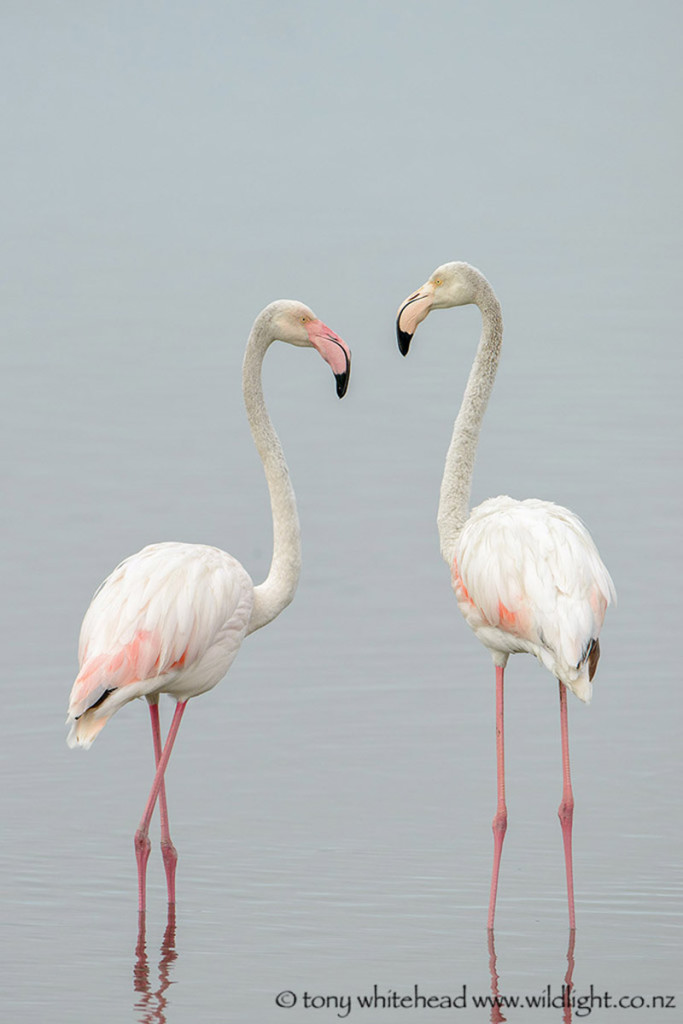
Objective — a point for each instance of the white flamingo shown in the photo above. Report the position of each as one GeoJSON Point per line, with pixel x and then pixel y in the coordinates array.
{"type": "Point", "coordinates": [171, 618]}
{"type": "Point", "coordinates": [526, 574]}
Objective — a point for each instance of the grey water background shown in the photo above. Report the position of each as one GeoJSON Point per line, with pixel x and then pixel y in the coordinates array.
{"type": "Point", "coordinates": [170, 169]}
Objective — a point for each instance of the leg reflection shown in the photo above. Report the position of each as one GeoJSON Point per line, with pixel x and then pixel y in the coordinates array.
{"type": "Point", "coordinates": [496, 1012]}
{"type": "Point", "coordinates": [498, 1002]}
{"type": "Point", "coordinates": [151, 1005]}
{"type": "Point", "coordinates": [568, 983]}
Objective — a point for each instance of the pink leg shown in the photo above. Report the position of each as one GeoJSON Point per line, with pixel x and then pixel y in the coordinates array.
{"type": "Point", "coordinates": [500, 821]}
{"type": "Point", "coordinates": [566, 808]}
{"type": "Point", "coordinates": [168, 850]}
{"type": "Point", "coordinates": [142, 843]}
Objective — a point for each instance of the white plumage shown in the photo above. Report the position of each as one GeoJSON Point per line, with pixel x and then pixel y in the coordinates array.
{"type": "Point", "coordinates": [527, 575]}
{"type": "Point", "coordinates": [171, 618]}
{"type": "Point", "coordinates": [528, 578]}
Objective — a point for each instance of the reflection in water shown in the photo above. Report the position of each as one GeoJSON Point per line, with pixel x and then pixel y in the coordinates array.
{"type": "Point", "coordinates": [151, 1005]}
{"type": "Point", "coordinates": [496, 1012]}
{"type": "Point", "coordinates": [568, 983]}
{"type": "Point", "coordinates": [498, 1002]}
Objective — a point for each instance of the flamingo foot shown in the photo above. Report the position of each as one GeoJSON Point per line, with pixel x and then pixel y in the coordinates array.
{"type": "Point", "coordinates": [170, 856]}
{"type": "Point", "coordinates": [142, 850]}
{"type": "Point", "coordinates": [566, 815]}
{"type": "Point", "coordinates": [500, 824]}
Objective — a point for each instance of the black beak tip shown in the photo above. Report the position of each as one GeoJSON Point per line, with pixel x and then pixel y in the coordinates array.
{"type": "Point", "coordinates": [404, 340]}
{"type": "Point", "coordinates": [342, 380]}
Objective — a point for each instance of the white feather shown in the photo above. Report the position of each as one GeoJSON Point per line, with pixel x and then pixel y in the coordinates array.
{"type": "Point", "coordinates": [533, 581]}
{"type": "Point", "coordinates": [169, 619]}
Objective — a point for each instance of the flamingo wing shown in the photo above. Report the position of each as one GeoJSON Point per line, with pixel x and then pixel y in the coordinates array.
{"type": "Point", "coordinates": [532, 571]}
{"type": "Point", "coordinates": [159, 613]}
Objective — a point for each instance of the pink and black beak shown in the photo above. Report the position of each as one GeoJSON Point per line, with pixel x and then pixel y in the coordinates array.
{"type": "Point", "coordinates": [411, 313]}
{"type": "Point", "coordinates": [334, 351]}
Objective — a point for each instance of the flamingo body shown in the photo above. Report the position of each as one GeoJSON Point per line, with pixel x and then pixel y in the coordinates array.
{"type": "Point", "coordinates": [169, 619]}
{"type": "Point", "coordinates": [528, 578]}
{"type": "Point", "coordinates": [526, 574]}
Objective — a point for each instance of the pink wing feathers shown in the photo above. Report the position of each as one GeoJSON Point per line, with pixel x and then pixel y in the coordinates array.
{"type": "Point", "coordinates": [531, 570]}
{"type": "Point", "coordinates": [160, 613]}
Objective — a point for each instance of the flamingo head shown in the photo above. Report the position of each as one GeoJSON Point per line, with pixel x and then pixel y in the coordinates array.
{"type": "Point", "coordinates": [296, 324]}
{"type": "Point", "coordinates": [451, 284]}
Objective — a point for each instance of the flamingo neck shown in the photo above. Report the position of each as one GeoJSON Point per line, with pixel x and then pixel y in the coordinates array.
{"type": "Point", "coordinates": [279, 587]}
{"type": "Point", "coordinates": [456, 484]}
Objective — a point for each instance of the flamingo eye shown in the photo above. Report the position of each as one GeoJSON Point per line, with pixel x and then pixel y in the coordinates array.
{"type": "Point", "coordinates": [438, 282]}
{"type": "Point", "coordinates": [304, 319]}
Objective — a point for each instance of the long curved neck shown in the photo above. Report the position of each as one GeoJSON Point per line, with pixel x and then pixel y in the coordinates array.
{"type": "Point", "coordinates": [456, 485]}
{"type": "Point", "coordinates": [279, 587]}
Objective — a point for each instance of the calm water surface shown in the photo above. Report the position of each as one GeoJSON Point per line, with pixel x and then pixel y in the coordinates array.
{"type": "Point", "coordinates": [331, 800]}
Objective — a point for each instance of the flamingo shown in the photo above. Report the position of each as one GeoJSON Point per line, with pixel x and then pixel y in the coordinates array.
{"type": "Point", "coordinates": [526, 574]}
{"type": "Point", "coordinates": [171, 618]}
